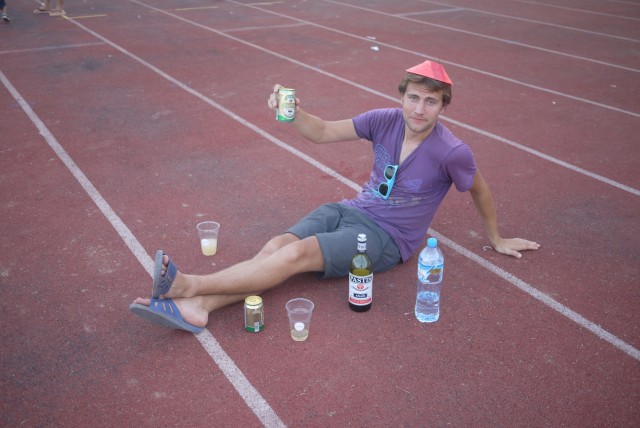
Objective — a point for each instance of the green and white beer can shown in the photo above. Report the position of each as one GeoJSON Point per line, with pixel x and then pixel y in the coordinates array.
{"type": "Point", "coordinates": [286, 105]}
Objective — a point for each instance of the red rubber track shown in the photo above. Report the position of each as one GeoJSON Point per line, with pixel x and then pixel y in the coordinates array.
{"type": "Point", "coordinates": [161, 106]}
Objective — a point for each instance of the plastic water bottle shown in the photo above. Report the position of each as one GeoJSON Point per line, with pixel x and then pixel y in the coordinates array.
{"type": "Point", "coordinates": [430, 272]}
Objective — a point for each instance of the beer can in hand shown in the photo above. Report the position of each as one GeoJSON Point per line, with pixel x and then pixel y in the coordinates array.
{"type": "Point", "coordinates": [286, 105]}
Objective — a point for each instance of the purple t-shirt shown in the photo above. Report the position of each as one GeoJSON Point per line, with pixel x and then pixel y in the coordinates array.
{"type": "Point", "coordinates": [422, 180]}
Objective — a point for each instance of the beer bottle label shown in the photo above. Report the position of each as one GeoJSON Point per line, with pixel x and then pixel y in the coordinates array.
{"type": "Point", "coordinates": [360, 289]}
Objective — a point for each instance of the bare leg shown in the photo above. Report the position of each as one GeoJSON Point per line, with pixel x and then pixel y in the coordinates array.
{"type": "Point", "coordinates": [59, 10]}
{"type": "Point", "coordinates": [281, 258]}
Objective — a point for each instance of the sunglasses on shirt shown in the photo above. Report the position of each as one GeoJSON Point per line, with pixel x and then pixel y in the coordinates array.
{"type": "Point", "coordinates": [384, 189]}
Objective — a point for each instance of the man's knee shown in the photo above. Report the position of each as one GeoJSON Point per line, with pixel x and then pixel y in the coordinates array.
{"type": "Point", "coordinates": [274, 244]}
{"type": "Point", "coordinates": [306, 254]}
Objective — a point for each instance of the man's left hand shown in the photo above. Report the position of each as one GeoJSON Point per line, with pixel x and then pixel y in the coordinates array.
{"type": "Point", "coordinates": [513, 246]}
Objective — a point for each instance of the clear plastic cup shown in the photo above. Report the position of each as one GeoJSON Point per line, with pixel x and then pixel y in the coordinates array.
{"type": "Point", "coordinates": [208, 233]}
{"type": "Point", "coordinates": [299, 312]}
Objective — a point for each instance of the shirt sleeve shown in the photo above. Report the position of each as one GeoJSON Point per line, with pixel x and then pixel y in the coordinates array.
{"type": "Point", "coordinates": [360, 124]}
{"type": "Point", "coordinates": [374, 122]}
{"type": "Point", "coordinates": [460, 165]}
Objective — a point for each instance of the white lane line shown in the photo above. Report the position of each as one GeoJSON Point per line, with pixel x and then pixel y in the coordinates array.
{"type": "Point", "coordinates": [549, 24]}
{"type": "Point", "coordinates": [394, 99]}
{"type": "Point", "coordinates": [603, 334]}
{"type": "Point", "coordinates": [51, 48]}
{"type": "Point", "coordinates": [424, 55]}
{"type": "Point", "coordinates": [251, 396]}
{"type": "Point", "coordinates": [498, 39]}
{"type": "Point", "coordinates": [542, 155]}
{"type": "Point", "coordinates": [429, 12]}
{"type": "Point", "coordinates": [271, 27]}
{"type": "Point", "coordinates": [539, 295]}
{"type": "Point", "coordinates": [572, 9]}
{"type": "Point", "coordinates": [122, 229]}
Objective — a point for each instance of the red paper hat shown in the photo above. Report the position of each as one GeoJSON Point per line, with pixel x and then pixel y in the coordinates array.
{"type": "Point", "coordinates": [432, 70]}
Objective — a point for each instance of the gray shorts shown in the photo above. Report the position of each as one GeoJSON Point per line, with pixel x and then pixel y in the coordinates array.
{"type": "Point", "coordinates": [337, 227]}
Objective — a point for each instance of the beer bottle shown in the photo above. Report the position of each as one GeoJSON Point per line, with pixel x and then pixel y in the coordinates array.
{"type": "Point", "coordinates": [361, 278]}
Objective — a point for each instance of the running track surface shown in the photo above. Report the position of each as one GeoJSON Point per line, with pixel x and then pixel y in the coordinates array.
{"type": "Point", "coordinates": [126, 123]}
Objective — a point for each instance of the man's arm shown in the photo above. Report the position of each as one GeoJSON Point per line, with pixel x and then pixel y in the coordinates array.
{"type": "Point", "coordinates": [483, 200]}
{"type": "Point", "coordinates": [317, 130]}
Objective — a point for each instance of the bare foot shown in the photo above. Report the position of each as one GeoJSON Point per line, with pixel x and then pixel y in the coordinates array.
{"type": "Point", "coordinates": [190, 308]}
{"type": "Point", "coordinates": [180, 286]}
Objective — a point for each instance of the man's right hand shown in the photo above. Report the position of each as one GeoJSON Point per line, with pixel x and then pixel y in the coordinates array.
{"type": "Point", "coordinates": [272, 102]}
{"type": "Point", "coordinates": [273, 98]}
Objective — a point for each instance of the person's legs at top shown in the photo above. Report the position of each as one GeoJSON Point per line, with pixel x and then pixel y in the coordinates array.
{"type": "Point", "coordinates": [59, 10]}
{"type": "Point", "coordinates": [3, 10]}
{"type": "Point", "coordinates": [45, 8]}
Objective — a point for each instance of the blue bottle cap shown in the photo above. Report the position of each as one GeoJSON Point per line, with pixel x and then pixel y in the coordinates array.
{"type": "Point", "coordinates": [432, 242]}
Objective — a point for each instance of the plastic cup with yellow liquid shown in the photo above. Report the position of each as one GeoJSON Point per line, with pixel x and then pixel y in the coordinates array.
{"type": "Point", "coordinates": [208, 234]}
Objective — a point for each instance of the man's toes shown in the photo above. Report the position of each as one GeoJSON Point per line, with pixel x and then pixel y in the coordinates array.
{"type": "Point", "coordinates": [165, 263]}
{"type": "Point", "coordinates": [142, 301]}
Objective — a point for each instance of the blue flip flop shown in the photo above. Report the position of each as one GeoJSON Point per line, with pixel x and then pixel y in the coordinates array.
{"type": "Point", "coordinates": [162, 284]}
{"type": "Point", "coordinates": [164, 312]}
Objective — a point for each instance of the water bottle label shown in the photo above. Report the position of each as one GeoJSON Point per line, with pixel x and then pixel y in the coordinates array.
{"type": "Point", "coordinates": [425, 271]}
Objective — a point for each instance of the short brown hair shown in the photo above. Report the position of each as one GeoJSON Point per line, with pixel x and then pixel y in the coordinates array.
{"type": "Point", "coordinates": [432, 84]}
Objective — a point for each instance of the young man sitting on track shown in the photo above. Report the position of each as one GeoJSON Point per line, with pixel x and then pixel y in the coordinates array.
{"type": "Point", "coordinates": [421, 159]}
